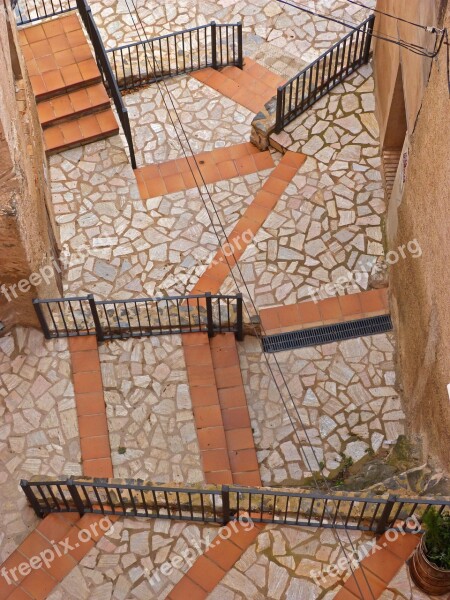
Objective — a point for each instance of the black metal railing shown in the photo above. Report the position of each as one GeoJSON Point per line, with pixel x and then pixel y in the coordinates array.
{"type": "Point", "coordinates": [28, 11]}
{"type": "Point", "coordinates": [213, 45]}
{"type": "Point", "coordinates": [325, 73]}
{"type": "Point", "coordinates": [107, 74]}
{"type": "Point", "coordinates": [224, 504]}
{"type": "Point", "coordinates": [140, 317]}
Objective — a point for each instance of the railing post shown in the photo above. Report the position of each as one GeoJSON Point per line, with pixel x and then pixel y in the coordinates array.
{"type": "Point", "coordinates": [75, 496]}
{"type": "Point", "coordinates": [98, 328]}
{"type": "Point", "coordinates": [384, 519]}
{"type": "Point", "coordinates": [369, 33]}
{"type": "Point", "coordinates": [127, 130]}
{"type": "Point", "coordinates": [209, 314]}
{"type": "Point", "coordinates": [240, 46]}
{"type": "Point", "coordinates": [239, 318]}
{"type": "Point", "coordinates": [25, 485]}
{"type": "Point", "coordinates": [279, 117]}
{"type": "Point", "coordinates": [41, 319]}
{"type": "Point", "coordinates": [225, 504]}
{"type": "Point", "coordinates": [214, 44]}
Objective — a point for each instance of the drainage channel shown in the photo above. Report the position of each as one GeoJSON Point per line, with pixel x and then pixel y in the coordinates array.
{"type": "Point", "coordinates": [326, 334]}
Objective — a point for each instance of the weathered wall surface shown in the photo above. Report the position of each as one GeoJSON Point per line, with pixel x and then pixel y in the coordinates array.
{"type": "Point", "coordinates": [419, 210]}
{"type": "Point", "coordinates": [25, 244]}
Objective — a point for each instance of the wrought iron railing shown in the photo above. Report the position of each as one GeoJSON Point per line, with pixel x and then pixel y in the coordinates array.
{"type": "Point", "coordinates": [108, 76]}
{"type": "Point", "coordinates": [140, 317]}
{"type": "Point", "coordinates": [28, 11]}
{"type": "Point", "coordinates": [325, 73]}
{"type": "Point", "coordinates": [221, 505]}
{"type": "Point", "coordinates": [213, 45]}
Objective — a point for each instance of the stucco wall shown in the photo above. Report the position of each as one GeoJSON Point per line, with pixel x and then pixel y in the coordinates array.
{"type": "Point", "coordinates": [419, 210]}
{"type": "Point", "coordinates": [25, 244]}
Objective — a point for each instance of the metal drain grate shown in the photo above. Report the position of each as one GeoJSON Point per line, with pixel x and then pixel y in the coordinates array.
{"type": "Point", "coordinates": [327, 334]}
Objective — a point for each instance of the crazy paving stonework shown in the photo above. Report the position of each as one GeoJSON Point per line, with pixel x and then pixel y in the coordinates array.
{"type": "Point", "coordinates": [39, 429]}
{"type": "Point", "coordinates": [344, 393]}
{"type": "Point", "coordinates": [150, 420]}
{"type": "Point", "coordinates": [328, 223]}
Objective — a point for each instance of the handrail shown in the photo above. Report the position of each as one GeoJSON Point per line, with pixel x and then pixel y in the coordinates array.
{"type": "Point", "coordinates": [153, 59]}
{"type": "Point", "coordinates": [140, 317]}
{"type": "Point", "coordinates": [107, 73]}
{"type": "Point", "coordinates": [225, 503]}
{"type": "Point", "coordinates": [29, 11]}
{"type": "Point", "coordinates": [324, 73]}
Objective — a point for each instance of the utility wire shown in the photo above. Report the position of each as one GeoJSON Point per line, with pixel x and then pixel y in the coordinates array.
{"type": "Point", "coordinates": [410, 46]}
{"type": "Point", "coordinates": [253, 304]}
{"type": "Point", "coordinates": [381, 12]}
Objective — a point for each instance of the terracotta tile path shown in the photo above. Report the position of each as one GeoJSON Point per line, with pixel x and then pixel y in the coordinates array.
{"type": "Point", "coordinates": [91, 408]}
{"type": "Point", "coordinates": [38, 583]}
{"type": "Point", "coordinates": [209, 569]}
{"type": "Point", "coordinates": [181, 174]}
{"type": "Point", "coordinates": [379, 568]}
{"type": "Point", "coordinates": [251, 221]}
{"type": "Point", "coordinates": [73, 105]}
{"type": "Point", "coordinates": [293, 317]}
{"type": "Point", "coordinates": [252, 86]}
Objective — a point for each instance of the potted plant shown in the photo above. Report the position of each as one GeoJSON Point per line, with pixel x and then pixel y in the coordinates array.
{"type": "Point", "coordinates": [430, 564]}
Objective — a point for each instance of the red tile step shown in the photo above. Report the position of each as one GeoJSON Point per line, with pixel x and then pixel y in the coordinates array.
{"type": "Point", "coordinates": [66, 107]}
{"type": "Point", "coordinates": [314, 313]}
{"type": "Point", "coordinates": [210, 568]}
{"type": "Point", "coordinates": [83, 130]}
{"type": "Point", "coordinates": [35, 569]}
{"type": "Point", "coordinates": [251, 87]}
{"type": "Point", "coordinates": [379, 568]}
{"type": "Point", "coordinates": [91, 408]}
{"type": "Point", "coordinates": [235, 415]}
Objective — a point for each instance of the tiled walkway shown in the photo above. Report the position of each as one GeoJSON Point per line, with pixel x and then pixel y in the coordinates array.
{"type": "Point", "coordinates": [73, 105]}
{"type": "Point", "coordinates": [91, 409]}
{"type": "Point", "coordinates": [377, 570]}
{"type": "Point", "coordinates": [182, 174]}
{"type": "Point", "coordinates": [210, 568]}
{"type": "Point", "coordinates": [251, 87]}
{"type": "Point", "coordinates": [251, 221]}
{"type": "Point", "coordinates": [37, 578]}
{"type": "Point", "coordinates": [293, 317]}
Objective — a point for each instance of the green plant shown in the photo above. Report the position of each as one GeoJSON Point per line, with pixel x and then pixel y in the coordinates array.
{"type": "Point", "coordinates": [121, 450]}
{"type": "Point", "coordinates": [437, 538]}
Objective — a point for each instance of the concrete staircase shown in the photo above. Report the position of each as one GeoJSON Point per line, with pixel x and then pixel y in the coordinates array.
{"type": "Point", "coordinates": [252, 86]}
{"type": "Point", "coordinates": [73, 105]}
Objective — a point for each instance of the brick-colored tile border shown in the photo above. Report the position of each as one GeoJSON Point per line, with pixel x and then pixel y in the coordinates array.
{"type": "Point", "coordinates": [235, 415]}
{"type": "Point", "coordinates": [252, 220]}
{"type": "Point", "coordinates": [251, 87]}
{"type": "Point", "coordinates": [216, 165]}
{"type": "Point", "coordinates": [91, 408]}
{"type": "Point", "coordinates": [294, 317]}
{"type": "Point", "coordinates": [378, 569]}
{"type": "Point", "coordinates": [210, 568]}
{"type": "Point", "coordinates": [206, 407]}
{"type": "Point", "coordinates": [40, 582]}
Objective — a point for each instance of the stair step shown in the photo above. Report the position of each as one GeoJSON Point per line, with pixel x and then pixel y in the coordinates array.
{"type": "Point", "coordinates": [88, 100]}
{"type": "Point", "coordinates": [79, 131]}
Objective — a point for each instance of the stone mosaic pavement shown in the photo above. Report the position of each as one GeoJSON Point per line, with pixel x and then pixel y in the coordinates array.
{"type": "Point", "coordinates": [209, 119]}
{"type": "Point", "coordinates": [39, 429]}
{"type": "Point", "coordinates": [328, 224]}
{"type": "Point", "coordinates": [150, 420]}
{"type": "Point", "coordinates": [126, 563]}
{"type": "Point", "coordinates": [280, 37]}
{"type": "Point", "coordinates": [136, 248]}
{"type": "Point", "coordinates": [345, 396]}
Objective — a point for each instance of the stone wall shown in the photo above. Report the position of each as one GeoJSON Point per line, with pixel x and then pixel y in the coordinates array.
{"type": "Point", "coordinates": [418, 210]}
{"type": "Point", "coordinates": [25, 206]}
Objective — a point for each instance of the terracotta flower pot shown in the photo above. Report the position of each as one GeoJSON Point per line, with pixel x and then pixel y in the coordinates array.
{"type": "Point", "coordinates": [427, 576]}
